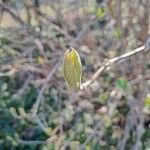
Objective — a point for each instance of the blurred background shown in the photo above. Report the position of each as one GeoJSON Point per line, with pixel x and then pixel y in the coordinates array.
{"type": "Point", "coordinates": [37, 112]}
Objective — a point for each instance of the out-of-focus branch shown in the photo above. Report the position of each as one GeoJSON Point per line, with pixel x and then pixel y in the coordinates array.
{"type": "Point", "coordinates": [98, 126]}
{"type": "Point", "coordinates": [31, 142]}
{"type": "Point", "coordinates": [18, 19]}
{"type": "Point", "coordinates": [109, 63]}
{"type": "Point", "coordinates": [82, 32]}
{"type": "Point", "coordinates": [39, 98]}
{"type": "Point", "coordinates": [30, 30]}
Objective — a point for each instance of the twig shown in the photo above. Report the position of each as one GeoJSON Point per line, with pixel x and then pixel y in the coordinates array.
{"type": "Point", "coordinates": [131, 121]}
{"type": "Point", "coordinates": [140, 127]}
{"type": "Point", "coordinates": [109, 63]}
{"type": "Point", "coordinates": [42, 126]}
{"type": "Point", "coordinates": [140, 131]}
{"type": "Point", "coordinates": [9, 73]}
{"type": "Point", "coordinates": [20, 92]}
{"type": "Point", "coordinates": [48, 19]}
{"type": "Point", "coordinates": [18, 19]}
{"type": "Point", "coordinates": [82, 33]}
{"type": "Point", "coordinates": [128, 127]}
{"type": "Point", "coordinates": [98, 126]}
{"type": "Point", "coordinates": [16, 67]}
{"type": "Point", "coordinates": [39, 98]}
{"type": "Point", "coordinates": [31, 142]}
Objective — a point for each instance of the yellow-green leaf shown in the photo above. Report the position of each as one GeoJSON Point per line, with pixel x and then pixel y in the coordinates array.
{"type": "Point", "coordinates": [72, 68]}
{"type": "Point", "coordinates": [147, 101]}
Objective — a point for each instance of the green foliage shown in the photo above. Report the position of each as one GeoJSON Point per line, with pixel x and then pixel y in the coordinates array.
{"type": "Point", "coordinates": [148, 66]}
{"type": "Point", "coordinates": [97, 28]}
{"type": "Point", "coordinates": [145, 139]}
{"type": "Point", "coordinates": [12, 108]}
{"type": "Point", "coordinates": [100, 13]}
{"type": "Point", "coordinates": [122, 83]}
{"type": "Point", "coordinates": [96, 145]}
{"type": "Point", "coordinates": [4, 40]}
{"type": "Point", "coordinates": [147, 101]}
{"type": "Point", "coordinates": [117, 33]}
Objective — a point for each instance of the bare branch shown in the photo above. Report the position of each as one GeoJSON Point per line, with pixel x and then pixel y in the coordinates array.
{"type": "Point", "coordinates": [18, 19]}
{"type": "Point", "coordinates": [39, 98]}
{"type": "Point", "coordinates": [82, 33]}
{"type": "Point", "coordinates": [98, 126]}
{"type": "Point", "coordinates": [31, 142]}
{"type": "Point", "coordinates": [109, 63]}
